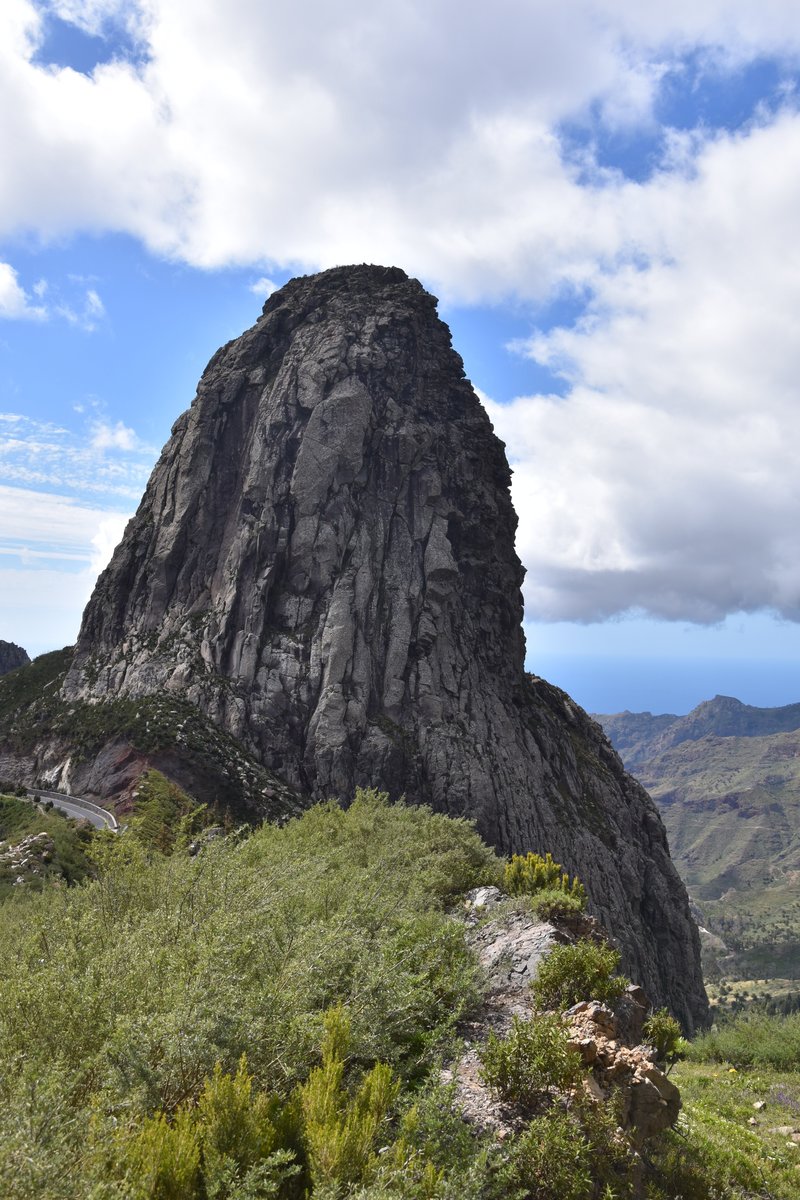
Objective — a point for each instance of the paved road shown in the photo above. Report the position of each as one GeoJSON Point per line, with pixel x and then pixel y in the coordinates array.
{"type": "Point", "coordinates": [74, 806]}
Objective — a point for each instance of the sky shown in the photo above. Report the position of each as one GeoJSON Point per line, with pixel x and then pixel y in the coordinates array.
{"type": "Point", "coordinates": [603, 194]}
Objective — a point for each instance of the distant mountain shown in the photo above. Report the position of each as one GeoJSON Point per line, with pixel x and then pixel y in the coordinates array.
{"type": "Point", "coordinates": [11, 657]}
{"type": "Point", "coordinates": [639, 737]}
{"type": "Point", "coordinates": [727, 781]}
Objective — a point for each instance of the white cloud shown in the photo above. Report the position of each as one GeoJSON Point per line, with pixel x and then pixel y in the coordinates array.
{"type": "Point", "coordinates": [263, 287]}
{"type": "Point", "coordinates": [89, 311]}
{"type": "Point", "coordinates": [60, 546]}
{"type": "Point", "coordinates": [48, 522]}
{"type": "Point", "coordinates": [14, 302]}
{"type": "Point", "coordinates": [311, 135]}
{"type": "Point", "coordinates": [666, 478]}
{"type": "Point", "coordinates": [118, 436]}
{"type": "Point", "coordinates": [105, 541]}
{"type": "Point", "coordinates": [321, 134]}
{"type": "Point", "coordinates": [104, 459]}
{"type": "Point", "coordinates": [40, 609]}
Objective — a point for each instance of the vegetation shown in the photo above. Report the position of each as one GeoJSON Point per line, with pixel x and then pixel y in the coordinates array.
{"type": "Point", "coordinates": [121, 997]}
{"type": "Point", "coordinates": [165, 816]}
{"type": "Point", "coordinates": [268, 1018]}
{"type": "Point", "coordinates": [69, 862]}
{"type": "Point", "coordinates": [578, 971]}
{"type": "Point", "coordinates": [724, 1148]}
{"type": "Point", "coordinates": [752, 1039]}
{"type": "Point", "coordinates": [546, 882]}
{"type": "Point", "coordinates": [663, 1033]}
{"type": "Point", "coordinates": [32, 708]}
{"type": "Point", "coordinates": [533, 1059]}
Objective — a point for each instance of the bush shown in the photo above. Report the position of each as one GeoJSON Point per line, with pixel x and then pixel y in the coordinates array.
{"type": "Point", "coordinates": [341, 1132]}
{"type": "Point", "coordinates": [163, 1159]}
{"type": "Point", "coordinates": [754, 1039]}
{"type": "Point", "coordinates": [663, 1032]}
{"type": "Point", "coordinates": [552, 905]}
{"type": "Point", "coordinates": [526, 875]}
{"type": "Point", "coordinates": [531, 1061]}
{"type": "Point", "coordinates": [580, 971]}
{"type": "Point", "coordinates": [551, 1161]}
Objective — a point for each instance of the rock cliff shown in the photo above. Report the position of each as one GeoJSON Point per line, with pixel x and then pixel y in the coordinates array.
{"type": "Point", "coordinates": [323, 564]}
{"type": "Point", "coordinates": [11, 657]}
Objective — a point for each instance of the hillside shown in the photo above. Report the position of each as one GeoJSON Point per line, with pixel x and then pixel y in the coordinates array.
{"type": "Point", "coordinates": [314, 1012]}
{"type": "Point", "coordinates": [727, 781]}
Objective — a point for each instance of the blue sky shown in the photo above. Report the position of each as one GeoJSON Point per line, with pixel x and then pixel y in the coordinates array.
{"type": "Point", "coordinates": [603, 195]}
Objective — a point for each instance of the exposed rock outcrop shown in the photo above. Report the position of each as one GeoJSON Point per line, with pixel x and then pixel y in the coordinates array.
{"type": "Point", "coordinates": [11, 657]}
{"type": "Point", "coordinates": [509, 947]}
{"type": "Point", "coordinates": [323, 563]}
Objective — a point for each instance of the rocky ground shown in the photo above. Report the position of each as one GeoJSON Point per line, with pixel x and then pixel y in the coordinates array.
{"type": "Point", "coordinates": [510, 945]}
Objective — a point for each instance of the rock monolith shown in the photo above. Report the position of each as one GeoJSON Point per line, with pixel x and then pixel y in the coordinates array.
{"type": "Point", "coordinates": [323, 563]}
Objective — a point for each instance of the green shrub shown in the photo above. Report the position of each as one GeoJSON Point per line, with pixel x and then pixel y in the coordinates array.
{"type": "Point", "coordinates": [525, 875]}
{"type": "Point", "coordinates": [533, 1059]}
{"type": "Point", "coordinates": [577, 1153]}
{"type": "Point", "coordinates": [233, 1125]}
{"type": "Point", "coordinates": [164, 814]}
{"type": "Point", "coordinates": [752, 1039]}
{"type": "Point", "coordinates": [162, 1160]}
{"type": "Point", "coordinates": [341, 1132]}
{"type": "Point", "coordinates": [552, 905]}
{"type": "Point", "coordinates": [551, 1160]}
{"type": "Point", "coordinates": [663, 1032]}
{"type": "Point", "coordinates": [579, 971]}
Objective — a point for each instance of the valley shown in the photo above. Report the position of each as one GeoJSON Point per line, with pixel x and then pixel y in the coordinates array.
{"type": "Point", "coordinates": [726, 779]}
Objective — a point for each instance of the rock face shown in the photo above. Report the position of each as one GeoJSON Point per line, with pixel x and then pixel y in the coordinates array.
{"type": "Point", "coordinates": [324, 564]}
{"type": "Point", "coordinates": [11, 657]}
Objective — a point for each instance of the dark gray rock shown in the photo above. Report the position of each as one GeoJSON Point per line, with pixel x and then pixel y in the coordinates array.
{"type": "Point", "coordinates": [323, 562]}
{"type": "Point", "coordinates": [11, 657]}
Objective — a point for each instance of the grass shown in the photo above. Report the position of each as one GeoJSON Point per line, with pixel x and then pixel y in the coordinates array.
{"type": "Point", "coordinates": [752, 1039]}
{"type": "Point", "coordinates": [724, 1146]}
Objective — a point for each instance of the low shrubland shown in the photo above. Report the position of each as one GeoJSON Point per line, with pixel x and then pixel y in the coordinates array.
{"type": "Point", "coordinates": [269, 1017]}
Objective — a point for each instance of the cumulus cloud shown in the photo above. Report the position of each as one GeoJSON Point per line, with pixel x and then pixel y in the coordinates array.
{"type": "Point", "coordinates": [417, 133]}
{"type": "Point", "coordinates": [433, 136]}
{"type": "Point", "coordinates": [14, 301]}
{"type": "Point", "coordinates": [665, 479]}
{"type": "Point", "coordinates": [263, 287]}
{"type": "Point", "coordinates": [116, 436]}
